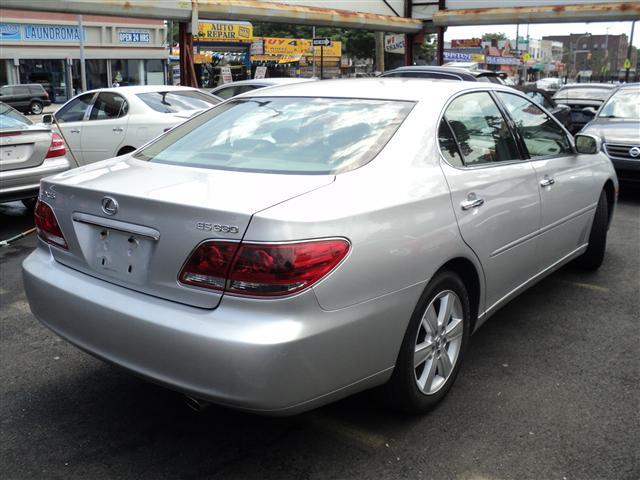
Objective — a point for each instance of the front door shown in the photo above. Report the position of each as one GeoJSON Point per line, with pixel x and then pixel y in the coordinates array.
{"type": "Point", "coordinates": [493, 191]}
{"type": "Point", "coordinates": [106, 127]}
{"type": "Point", "coordinates": [70, 120]}
{"type": "Point", "coordinates": [564, 179]}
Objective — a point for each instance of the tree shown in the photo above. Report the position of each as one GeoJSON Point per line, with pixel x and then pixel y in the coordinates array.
{"type": "Point", "coordinates": [487, 37]}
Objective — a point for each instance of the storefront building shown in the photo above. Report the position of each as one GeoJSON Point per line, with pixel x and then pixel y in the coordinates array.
{"type": "Point", "coordinates": [45, 48]}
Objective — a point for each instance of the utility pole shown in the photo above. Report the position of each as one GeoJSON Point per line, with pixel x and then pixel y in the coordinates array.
{"type": "Point", "coordinates": [626, 75]}
{"type": "Point", "coordinates": [83, 72]}
{"type": "Point", "coordinates": [518, 50]}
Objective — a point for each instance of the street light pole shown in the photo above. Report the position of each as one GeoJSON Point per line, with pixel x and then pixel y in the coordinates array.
{"type": "Point", "coordinates": [83, 72]}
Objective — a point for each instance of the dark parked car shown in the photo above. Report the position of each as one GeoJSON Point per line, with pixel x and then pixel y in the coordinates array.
{"type": "Point", "coordinates": [542, 97]}
{"type": "Point", "coordinates": [617, 123]}
{"type": "Point", "coordinates": [27, 98]}
{"type": "Point", "coordinates": [449, 73]}
{"type": "Point", "coordinates": [583, 99]}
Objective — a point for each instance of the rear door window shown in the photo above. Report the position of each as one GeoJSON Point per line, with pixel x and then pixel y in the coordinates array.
{"type": "Point", "coordinates": [108, 105]}
{"type": "Point", "coordinates": [541, 134]}
{"type": "Point", "coordinates": [283, 135]}
{"type": "Point", "coordinates": [21, 90]}
{"type": "Point", "coordinates": [480, 130]}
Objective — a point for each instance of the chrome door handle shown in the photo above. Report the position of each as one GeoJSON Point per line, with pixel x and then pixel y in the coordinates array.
{"type": "Point", "coordinates": [74, 130]}
{"type": "Point", "coordinates": [118, 129]}
{"type": "Point", "coordinates": [547, 182]}
{"type": "Point", "coordinates": [472, 203]}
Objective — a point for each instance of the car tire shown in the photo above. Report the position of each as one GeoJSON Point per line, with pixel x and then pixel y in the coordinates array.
{"type": "Point", "coordinates": [593, 257]}
{"type": "Point", "coordinates": [36, 107]}
{"type": "Point", "coordinates": [418, 385]}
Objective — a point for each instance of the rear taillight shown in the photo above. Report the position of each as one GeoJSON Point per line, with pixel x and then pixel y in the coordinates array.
{"type": "Point", "coordinates": [57, 148]}
{"type": "Point", "coordinates": [47, 225]}
{"type": "Point", "coordinates": [262, 269]}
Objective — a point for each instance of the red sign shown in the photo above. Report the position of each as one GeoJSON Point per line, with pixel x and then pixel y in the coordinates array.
{"type": "Point", "coordinates": [467, 43]}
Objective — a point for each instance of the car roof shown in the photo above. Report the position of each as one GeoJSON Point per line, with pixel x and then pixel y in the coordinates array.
{"type": "Point", "coordinates": [382, 88]}
{"type": "Point", "coordinates": [265, 81]}
{"type": "Point", "coordinates": [133, 89]}
{"type": "Point", "coordinates": [588, 85]}
{"type": "Point", "coordinates": [435, 68]}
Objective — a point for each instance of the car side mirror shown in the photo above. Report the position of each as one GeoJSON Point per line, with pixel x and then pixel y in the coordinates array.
{"type": "Point", "coordinates": [589, 111]}
{"type": "Point", "coordinates": [47, 119]}
{"type": "Point", "coordinates": [588, 144]}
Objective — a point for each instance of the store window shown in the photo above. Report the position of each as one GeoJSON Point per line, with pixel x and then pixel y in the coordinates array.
{"type": "Point", "coordinates": [127, 72]}
{"type": "Point", "coordinates": [49, 73]}
{"type": "Point", "coordinates": [154, 72]}
{"type": "Point", "coordinates": [96, 74]}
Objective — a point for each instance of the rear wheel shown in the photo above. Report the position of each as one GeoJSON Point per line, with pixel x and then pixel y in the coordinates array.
{"type": "Point", "coordinates": [593, 257]}
{"type": "Point", "coordinates": [125, 150]}
{"type": "Point", "coordinates": [36, 107]}
{"type": "Point", "coordinates": [433, 345]}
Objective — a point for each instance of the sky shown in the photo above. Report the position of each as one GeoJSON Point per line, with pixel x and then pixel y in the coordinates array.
{"type": "Point", "coordinates": [541, 29]}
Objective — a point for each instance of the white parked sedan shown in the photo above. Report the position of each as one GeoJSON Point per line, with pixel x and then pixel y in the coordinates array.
{"type": "Point", "coordinates": [109, 122]}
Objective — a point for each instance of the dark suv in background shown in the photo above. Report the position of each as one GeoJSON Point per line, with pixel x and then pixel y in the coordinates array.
{"type": "Point", "coordinates": [27, 98]}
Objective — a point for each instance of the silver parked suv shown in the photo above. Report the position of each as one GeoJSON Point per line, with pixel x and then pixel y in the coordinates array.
{"type": "Point", "coordinates": [28, 153]}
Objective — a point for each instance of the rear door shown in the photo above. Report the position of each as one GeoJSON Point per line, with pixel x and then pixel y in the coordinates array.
{"type": "Point", "coordinates": [70, 120]}
{"type": "Point", "coordinates": [565, 179]}
{"type": "Point", "coordinates": [493, 191]}
{"type": "Point", "coordinates": [106, 127]}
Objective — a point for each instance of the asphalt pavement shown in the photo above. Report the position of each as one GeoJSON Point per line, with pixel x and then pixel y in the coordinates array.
{"type": "Point", "coordinates": [550, 390]}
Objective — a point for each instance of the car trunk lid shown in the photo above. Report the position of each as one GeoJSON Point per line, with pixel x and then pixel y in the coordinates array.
{"type": "Point", "coordinates": [23, 147]}
{"type": "Point", "coordinates": [135, 223]}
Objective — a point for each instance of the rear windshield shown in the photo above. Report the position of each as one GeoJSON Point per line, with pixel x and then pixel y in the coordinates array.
{"type": "Point", "coordinates": [174, 102]}
{"type": "Point", "coordinates": [583, 93]}
{"type": "Point", "coordinates": [10, 118]}
{"type": "Point", "coordinates": [282, 135]}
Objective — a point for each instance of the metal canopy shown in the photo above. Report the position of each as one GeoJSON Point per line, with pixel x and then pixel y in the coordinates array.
{"type": "Point", "coordinates": [261, 11]}
{"type": "Point", "coordinates": [553, 12]}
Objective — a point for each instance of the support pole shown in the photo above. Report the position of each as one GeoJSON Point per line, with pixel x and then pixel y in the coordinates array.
{"type": "Point", "coordinates": [83, 71]}
{"type": "Point", "coordinates": [440, 36]}
{"type": "Point", "coordinates": [187, 69]}
{"type": "Point", "coordinates": [321, 62]}
{"type": "Point", "coordinates": [408, 38]}
{"type": "Point", "coordinates": [626, 74]}
{"type": "Point", "coordinates": [379, 38]}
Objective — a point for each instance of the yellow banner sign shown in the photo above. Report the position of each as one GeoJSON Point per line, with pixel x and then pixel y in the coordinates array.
{"type": "Point", "coordinates": [225, 32]}
{"type": "Point", "coordinates": [298, 46]}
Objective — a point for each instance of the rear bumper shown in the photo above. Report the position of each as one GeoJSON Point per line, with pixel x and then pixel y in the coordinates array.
{"type": "Point", "coordinates": [25, 182]}
{"type": "Point", "coordinates": [267, 356]}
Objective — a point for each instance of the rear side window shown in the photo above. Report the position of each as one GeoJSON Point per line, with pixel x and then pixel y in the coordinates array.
{"type": "Point", "coordinates": [108, 105]}
{"type": "Point", "coordinates": [542, 136]}
{"type": "Point", "coordinates": [178, 101]}
{"type": "Point", "coordinates": [448, 145]}
{"type": "Point", "coordinates": [36, 89]}
{"type": "Point", "coordinates": [480, 130]}
{"type": "Point", "coordinates": [283, 135]}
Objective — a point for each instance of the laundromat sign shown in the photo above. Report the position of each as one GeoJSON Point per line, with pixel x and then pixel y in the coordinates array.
{"type": "Point", "coordinates": [39, 33]}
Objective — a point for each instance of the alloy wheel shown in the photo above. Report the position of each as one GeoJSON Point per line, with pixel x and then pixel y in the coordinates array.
{"type": "Point", "coordinates": [438, 342]}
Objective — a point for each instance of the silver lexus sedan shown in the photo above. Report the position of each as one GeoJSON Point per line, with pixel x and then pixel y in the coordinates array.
{"type": "Point", "coordinates": [295, 245]}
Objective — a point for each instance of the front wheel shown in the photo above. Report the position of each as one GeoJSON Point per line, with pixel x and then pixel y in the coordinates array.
{"type": "Point", "coordinates": [433, 345]}
{"type": "Point", "coordinates": [593, 257]}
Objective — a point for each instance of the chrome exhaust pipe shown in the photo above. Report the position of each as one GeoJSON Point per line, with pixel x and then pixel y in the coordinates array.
{"type": "Point", "coordinates": [196, 404]}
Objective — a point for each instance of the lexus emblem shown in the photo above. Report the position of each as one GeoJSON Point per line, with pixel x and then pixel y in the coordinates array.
{"type": "Point", "coordinates": [634, 152]}
{"type": "Point", "coordinates": [109, 205]}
